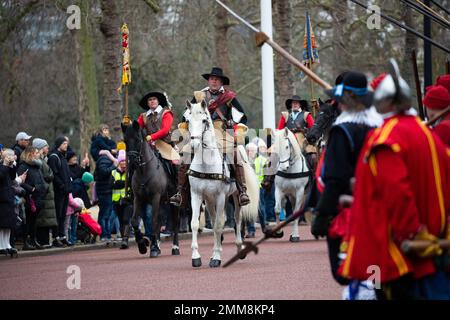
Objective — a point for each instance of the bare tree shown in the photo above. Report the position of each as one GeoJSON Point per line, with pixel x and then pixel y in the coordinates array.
{"type": "Point", "coordinates": [112, 103]}
{"type": "Point", "coordinates": [283, 37]}
{"type": "Point", "coordinates": [88, 104]}
{"type": "Point", "coordinates": [222, 58]}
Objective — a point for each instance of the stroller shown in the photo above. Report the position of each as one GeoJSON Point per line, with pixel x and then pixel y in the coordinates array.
{"type": "Point", "coordinates": [88, 229]}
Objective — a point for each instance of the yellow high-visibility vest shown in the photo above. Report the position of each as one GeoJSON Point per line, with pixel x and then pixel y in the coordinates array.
{"type": "Point", "coordinates": [118, 194]}
{"type": "Point", "coordinates": [260, 162]}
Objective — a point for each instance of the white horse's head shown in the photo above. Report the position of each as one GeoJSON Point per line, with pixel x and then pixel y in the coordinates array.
{"type": "Point", "coordinates": [199, 122]}
{"type": "Point", "coordinates": [287, 147]}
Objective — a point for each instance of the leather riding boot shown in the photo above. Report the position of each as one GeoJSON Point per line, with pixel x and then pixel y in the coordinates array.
{"type": "Point", "coordinates": [240, 183]}
{"type": "Point", "coordinates": [179, 199]}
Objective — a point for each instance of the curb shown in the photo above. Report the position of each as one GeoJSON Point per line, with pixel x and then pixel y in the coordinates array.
{"type": "Point", "coordinates": [97, 246]}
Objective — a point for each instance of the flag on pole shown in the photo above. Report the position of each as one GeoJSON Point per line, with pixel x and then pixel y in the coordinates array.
{"type": "Point", "coordinates": [126, 68]}
{"type": "Point", "coordinates": [310, 55]}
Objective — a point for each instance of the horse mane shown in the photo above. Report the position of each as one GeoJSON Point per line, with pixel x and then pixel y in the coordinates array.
{"type": "Point", "coordinates": [199, 96]}
{"type": "Point", "coordinates": [294, 142]}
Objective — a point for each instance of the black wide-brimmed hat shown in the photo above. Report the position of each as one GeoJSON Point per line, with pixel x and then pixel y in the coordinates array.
{"type": "Point", "coordinates": [160, 96]}
{"type": "Point", "coordinates": [303, 103]}
{"type": "Point", "coordinates": [218, 72]}
{"type": "Point", "coordinates": [356, 83]}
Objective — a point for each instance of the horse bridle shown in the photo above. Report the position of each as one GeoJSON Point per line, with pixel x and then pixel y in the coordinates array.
{"type": "Point", "coordinates": [290, 159]}
{"type": "Point", "coordinates": [138, 155]}
{"type": "Point", "coordinates": [206, 125]}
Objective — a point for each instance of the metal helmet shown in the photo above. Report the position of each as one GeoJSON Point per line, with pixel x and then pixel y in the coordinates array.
{"type": "Point", "coordinates": [393, 89]}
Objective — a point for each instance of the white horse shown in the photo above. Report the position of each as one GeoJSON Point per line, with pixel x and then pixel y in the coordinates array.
{"type": "Point", "coordinates": [209, 181]}
{"type": "Point", "coordinates": [292, 175]}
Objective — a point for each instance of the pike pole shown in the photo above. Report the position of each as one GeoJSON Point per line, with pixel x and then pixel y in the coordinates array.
{"type": "Point", "coordinates": [262, 38]}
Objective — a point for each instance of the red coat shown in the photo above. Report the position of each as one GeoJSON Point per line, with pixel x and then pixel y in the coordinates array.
{"type": "Point", "coordinates": [309, 122]}
{"type": "Point", "coordinates": [402, 182]}
{"type": "Point", "coordinates": [166, 124]}
{"type": "Point", "coordinates": [442, 130]}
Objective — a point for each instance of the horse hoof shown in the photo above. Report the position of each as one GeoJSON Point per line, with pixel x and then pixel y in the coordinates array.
{"type": "Point", "coordinates": [124, 246]}
{"type": "Point", "coordinates": [214, 263]}
{"type": "Point", "coordinates": [243, 257]}
{"type": "Point", "coordinates": [197, 262]}
{"type": "Point", "coordinates": [278, 235]}
{"type": "Point", "coordinates": [294, 239]}
{"type": "Point", "coordinates": [146, 240]}
{"type": "Point", "coordinates": [175, 252]}
{"type": "Point", "coordinates": [142, 247]}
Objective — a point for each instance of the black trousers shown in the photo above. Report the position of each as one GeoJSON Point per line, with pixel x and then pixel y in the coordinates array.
{"type": "Point", "coordinates": [124, 212]}
{"type": "Point", "coordinates": [31, 218]}
{"type": "Point", "coordinates": [43, 235]}
{"type": "Point", "coordinates": [61, 203]}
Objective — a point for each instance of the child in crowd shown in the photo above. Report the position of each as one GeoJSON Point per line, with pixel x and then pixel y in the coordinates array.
{"type": "Point", "coordinates": [101, 140]}
{"type": "Point", "coordinates": [70, 224]}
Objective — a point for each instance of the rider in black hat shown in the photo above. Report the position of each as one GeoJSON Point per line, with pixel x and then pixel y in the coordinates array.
{"type": "Point", "coordinates": [297, 118]}
{"type": "Point", "coordinates": [225, 108]}
{"type": "Point", "coordinates": [158, 117]}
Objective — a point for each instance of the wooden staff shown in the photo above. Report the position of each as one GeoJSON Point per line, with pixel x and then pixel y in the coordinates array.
{"type": "Point", "coordinates": [413, 246]}
{"type": "Point", "coordinates": [440, 115]}
{"type": "Point", "coordinates": [269, 233]}
{"type": "Point", "coordinates": [262, 38]}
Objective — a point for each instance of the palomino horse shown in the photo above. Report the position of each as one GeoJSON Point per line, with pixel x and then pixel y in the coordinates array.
{"type": "Point", "coordinates": [292, 175]}
{"type": "Point", "coordinates": [210, 182]}
{"type": "Point", "coordinates": [150, 184]}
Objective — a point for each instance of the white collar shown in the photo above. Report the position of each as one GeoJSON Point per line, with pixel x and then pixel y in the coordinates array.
{"type": "Point", "coordinates": [221, 90]}
{"type": "Point", "coordinates": [410, 112]}
{"type": "Point", "coordinates": [157, 110]}
{"type": "Point", "coordinates": [368, 116]}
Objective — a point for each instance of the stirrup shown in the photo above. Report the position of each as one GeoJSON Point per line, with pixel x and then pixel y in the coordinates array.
{"type": "Point", "coordinates": [244, 199]}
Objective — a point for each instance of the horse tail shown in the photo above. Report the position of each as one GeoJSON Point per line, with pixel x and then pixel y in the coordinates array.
{"type": "Point", "coordinates": [249, 212]}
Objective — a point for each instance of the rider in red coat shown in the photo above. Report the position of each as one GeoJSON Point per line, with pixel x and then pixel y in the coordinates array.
{"type": "Point", "coordinates": [158, 117]}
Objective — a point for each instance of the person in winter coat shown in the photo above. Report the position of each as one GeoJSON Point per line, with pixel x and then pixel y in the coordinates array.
{"type": "Point", "coordinates": [8, 216]}
{"type": "Point", "coordinates": [22, 141]}
{"type": "Point", "coordinates": [61, 186]}
{"type": "Point", "coordinates": [77, 170]}
{"type": "Point", "coordinates": [47, 217]}
{"type": "Point", "coordinates": [103, 187]}
{"type": "Point", "coordinates": [101, 140]}
{"type": "Point", "coordinates": [37, 189]}
{"type": "Point", "coordinates": [80, 188]}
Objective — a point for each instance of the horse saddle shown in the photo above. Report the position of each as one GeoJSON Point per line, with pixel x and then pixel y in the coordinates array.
{"type": "Point", "coordinates": [166, 150]}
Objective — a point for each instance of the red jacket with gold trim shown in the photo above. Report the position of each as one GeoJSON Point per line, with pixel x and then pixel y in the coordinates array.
{"type": "Point", "coordinates": [402, 182]}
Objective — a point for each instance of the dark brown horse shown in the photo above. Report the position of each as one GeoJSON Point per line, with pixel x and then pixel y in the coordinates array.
{"type": "Point", "coordinates": [151, 184]}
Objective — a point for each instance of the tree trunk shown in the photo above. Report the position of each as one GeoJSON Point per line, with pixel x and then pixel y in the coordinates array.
{"type": "Point", "coordinates": [86, 78]}
{"type": "Point", "coordinates": [283, 68]}
{"type": "Point", "coordinates": [112, 64]}
{"type": "Point", "coordinates": [222, 58]}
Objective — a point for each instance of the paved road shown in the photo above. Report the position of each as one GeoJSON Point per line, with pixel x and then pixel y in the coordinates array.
{"type": "Point", "coordinates": [281, 270]}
